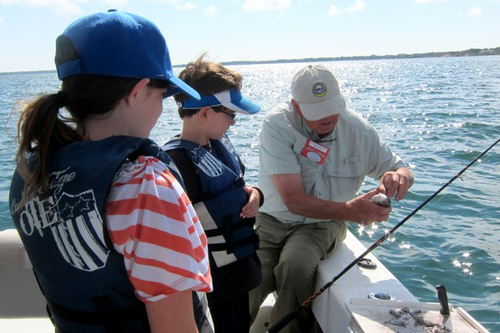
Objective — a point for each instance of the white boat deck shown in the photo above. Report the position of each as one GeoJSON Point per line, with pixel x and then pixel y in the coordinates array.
{"type": "Point", "coordinates": [349, 304]}
{"type": "Point", "coordinates": [330, 308]}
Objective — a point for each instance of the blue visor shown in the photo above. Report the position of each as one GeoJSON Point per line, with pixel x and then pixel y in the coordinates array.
{"type": "Point", "coordinates": [231, 99]}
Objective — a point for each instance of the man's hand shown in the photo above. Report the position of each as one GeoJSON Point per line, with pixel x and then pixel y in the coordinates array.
{"type": "Point", "coordinates": [396, 183]}
{"type": "Point", "coordinates": [364, 212]}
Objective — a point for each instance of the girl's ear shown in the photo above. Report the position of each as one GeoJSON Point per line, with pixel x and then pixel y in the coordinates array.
{"type": "Point", "coordinates": [133, 94]}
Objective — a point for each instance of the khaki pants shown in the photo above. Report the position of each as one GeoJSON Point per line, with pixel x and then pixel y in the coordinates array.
{"type": "Point", "coordinates": [290, 256]}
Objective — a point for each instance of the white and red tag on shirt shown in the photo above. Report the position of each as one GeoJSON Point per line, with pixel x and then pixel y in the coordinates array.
{"type": "Point", "coordinates": [315, 152]}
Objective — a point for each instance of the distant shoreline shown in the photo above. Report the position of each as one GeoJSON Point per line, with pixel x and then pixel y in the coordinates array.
{"type": "Point", "coordinates": [465, 53]}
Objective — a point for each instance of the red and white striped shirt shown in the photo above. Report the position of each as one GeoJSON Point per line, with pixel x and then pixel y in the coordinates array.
{"type": "Point", "coordinates": [153, 224]}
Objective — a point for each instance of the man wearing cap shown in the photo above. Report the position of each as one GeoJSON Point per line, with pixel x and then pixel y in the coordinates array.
{"type": "Point", "coordinates": [314, 155]}
{"type": "Point", "coordinates": [213, 174]}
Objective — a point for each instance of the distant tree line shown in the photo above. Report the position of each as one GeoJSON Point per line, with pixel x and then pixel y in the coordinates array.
{"type": "Point", "coordinates": [466, 53]}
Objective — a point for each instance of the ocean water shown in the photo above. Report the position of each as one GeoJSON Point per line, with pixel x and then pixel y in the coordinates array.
{"type": "Point", "coordinates": [438, 114]}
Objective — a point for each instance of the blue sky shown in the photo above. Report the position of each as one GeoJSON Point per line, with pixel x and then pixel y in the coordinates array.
{"type": "Point", "coordinates": [261, 29]}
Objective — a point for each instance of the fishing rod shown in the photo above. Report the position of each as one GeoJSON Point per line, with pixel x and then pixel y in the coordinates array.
{"type": "Point", "coordinates": [289, 317]}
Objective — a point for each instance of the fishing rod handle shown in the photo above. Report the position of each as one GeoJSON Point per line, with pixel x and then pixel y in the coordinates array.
{"type": "Point", "coordinates": [285, 320]}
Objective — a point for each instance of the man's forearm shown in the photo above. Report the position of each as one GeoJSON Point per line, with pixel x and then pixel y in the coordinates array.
{"type": "Point", "coordinates": [312, 207]}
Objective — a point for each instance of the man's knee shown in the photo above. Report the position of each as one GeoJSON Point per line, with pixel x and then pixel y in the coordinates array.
{"type": "Point", "coordinates": [292, 272]}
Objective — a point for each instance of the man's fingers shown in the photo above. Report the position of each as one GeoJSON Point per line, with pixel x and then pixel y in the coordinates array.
{"type": "Point", "coordinates": [404, 186]}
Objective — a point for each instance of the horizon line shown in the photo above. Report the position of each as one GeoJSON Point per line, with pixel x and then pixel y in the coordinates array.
{"type": "Point", "coordinates": [437, 54]}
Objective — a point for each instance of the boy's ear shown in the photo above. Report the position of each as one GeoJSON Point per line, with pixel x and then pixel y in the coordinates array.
{"type": "Point", "coordinates": [203, 113]}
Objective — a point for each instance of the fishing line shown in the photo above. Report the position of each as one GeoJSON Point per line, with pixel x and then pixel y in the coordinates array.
{"type": "Point", "coordinates": [290, 316]}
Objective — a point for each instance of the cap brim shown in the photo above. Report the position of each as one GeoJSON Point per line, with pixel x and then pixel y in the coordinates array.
{"type": "Point", "coordinates": [235, 101]}
{"type": "Point", "coordinates": [231, 99]}
{"type": "Point", "coordinates": [243, 105]}
{"type": "Point", "coordinates": [180, 86]}
{"type": "Point", "coordinates": [320, 110]}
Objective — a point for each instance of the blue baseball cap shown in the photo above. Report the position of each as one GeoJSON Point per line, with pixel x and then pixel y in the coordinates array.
{"type": "Point", "coordinates": [231, 99]}
{"type": "Point", "coordinates": [117, 44]}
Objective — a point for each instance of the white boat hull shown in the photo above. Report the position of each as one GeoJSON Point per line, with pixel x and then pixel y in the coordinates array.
{"type": "Point", "coordinates": [344, 307]}
{"type": "Point", "coordinates": [22, 306]}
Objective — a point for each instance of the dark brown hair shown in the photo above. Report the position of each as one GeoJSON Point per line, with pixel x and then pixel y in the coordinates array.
{"type": "Point", "coordinates": [206, 77]}
{"type": "Point", "coordinates": [44, 126]}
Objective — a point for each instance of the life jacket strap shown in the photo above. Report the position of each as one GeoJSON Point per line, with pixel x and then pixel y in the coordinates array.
{"type": "Point", "coordinates": [230, 227]}
{"type": "Point", "coordinates": [230, 246]}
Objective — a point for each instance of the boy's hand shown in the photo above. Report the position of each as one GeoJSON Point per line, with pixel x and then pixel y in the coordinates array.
{"type": "Point", "coordinates": [252, 207]}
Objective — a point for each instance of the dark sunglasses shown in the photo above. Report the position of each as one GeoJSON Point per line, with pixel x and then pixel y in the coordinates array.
{"type": "Point", "coordinates": [230, 114]}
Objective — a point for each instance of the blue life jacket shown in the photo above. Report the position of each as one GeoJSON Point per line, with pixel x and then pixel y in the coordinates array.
{"type": "Point", "coordinates": [81, 275]}
{"type": "Point", "coordinates": [230, 237]}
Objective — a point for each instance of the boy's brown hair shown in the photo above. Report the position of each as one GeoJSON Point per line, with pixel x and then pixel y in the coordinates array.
{"type": "Point", "coordinates": [207, 78]}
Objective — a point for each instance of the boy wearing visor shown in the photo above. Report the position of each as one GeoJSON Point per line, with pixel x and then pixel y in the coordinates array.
{"type": "Point", "coordinates": [213, 175]}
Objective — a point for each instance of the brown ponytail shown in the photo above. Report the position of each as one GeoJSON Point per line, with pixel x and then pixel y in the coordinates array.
{"type": "Point", "coordinates": [41, 130]}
